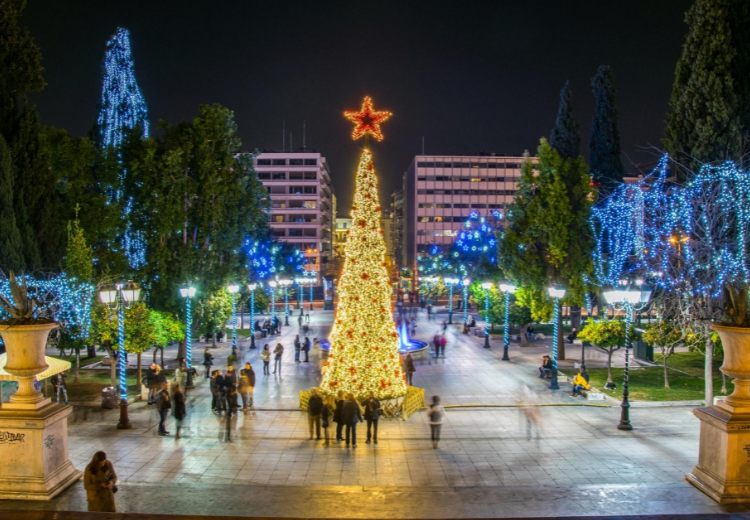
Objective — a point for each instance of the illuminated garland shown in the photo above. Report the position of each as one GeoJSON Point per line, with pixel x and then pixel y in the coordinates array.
{"type": "Point", "coordinates": [364, 356]}
{"type": "Point", "coordinates": [475, 245]}
{"type": "Point", "coordinates": [121, 352]}
{"type": "Point", "coordinates": [367, 121]}
{"type": "Point", "coordinates": [65, 300]}
{"type": "Point", "coordinates": [267, 259]}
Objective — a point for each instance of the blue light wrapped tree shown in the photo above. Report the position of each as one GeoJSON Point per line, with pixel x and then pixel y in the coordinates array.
{"type": "Point", "coordinates": [474, 250]}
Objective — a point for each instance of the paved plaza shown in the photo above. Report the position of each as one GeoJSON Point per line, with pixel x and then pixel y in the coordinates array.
{"type": "Point", "coordinates": [578, 463]}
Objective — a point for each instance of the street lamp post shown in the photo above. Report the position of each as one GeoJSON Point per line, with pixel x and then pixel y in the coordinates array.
{"type": "Point", "coordinates": [233, 290]}
{"type": "Point", "coordinates": [486, 286]}
{"type": "Point", "coordinates": [450, 282]}
{"type": "Point", "coordinates": [121, 296]}
{"type": "Point", "coordinates": [630, 297]}
{"type": "Point", "coordinates": [300, 291]}
{"type": "Point", "coordinates": [312, 284]}
{"type": "Point", "coordinates": [556, 293]}
{"type": "Point", "coordinates": [188, 293]}
{"type": "Point", "coordinates": [465, 283]}
{"type": "Point", "coordinates": [507, 289]}
{"type": "Point", "coordinates": [285, 283]}
{"type": "Point", "coordinates": [272, 284]}
{"type": "Point", "coordinates": [251, 287]}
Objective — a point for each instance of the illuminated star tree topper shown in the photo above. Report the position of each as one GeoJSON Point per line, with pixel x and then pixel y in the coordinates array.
{"type": "Point", "coordinates": [367, 121]}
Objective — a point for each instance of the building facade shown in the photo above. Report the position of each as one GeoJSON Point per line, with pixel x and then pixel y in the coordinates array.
{"type": "Point", "coordinates": [299, 185]}
{"type": "Point", "coordinates": [440, 191]}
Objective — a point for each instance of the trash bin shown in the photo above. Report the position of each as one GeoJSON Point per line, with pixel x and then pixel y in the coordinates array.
{"type": "Point", "coordinates": [109, 398]}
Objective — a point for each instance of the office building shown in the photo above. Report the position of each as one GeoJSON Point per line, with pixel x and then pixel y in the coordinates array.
{"type": "Point", "coordinates": [441, 190]}
{"type": "Point", "coordinates": [299, 185]}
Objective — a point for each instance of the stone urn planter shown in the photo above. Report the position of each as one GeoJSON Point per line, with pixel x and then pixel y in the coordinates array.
{"type": "Point", "coordinates": [723, 469]}
{"type": "Point", "coordinates": [736, 344]}
{"type": "Point", "coordinates": [25, 345]}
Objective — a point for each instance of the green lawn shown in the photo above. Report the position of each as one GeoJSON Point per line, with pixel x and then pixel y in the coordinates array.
{"type": "Point", "coordinates": [91, 383]}
{"type": "Point", "coordinates": [647, 384]}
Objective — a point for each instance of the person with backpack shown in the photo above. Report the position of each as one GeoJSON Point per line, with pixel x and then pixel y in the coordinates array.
{"type": "Point", "coordinates": [435, 414]}
{"type": "Point", "coordinates": [314, 412]}
{"type": "Point", "coordinates": [372, 415]}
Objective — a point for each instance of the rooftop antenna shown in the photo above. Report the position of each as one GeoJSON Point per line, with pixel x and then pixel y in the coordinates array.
{"type": "Point", "coordinates": [291, 142]}
{"type": "Point", "coordinates": [422, 145]}
{"type": "Point", "coordinates": [304, 135]}
{"type": "Point", "coordinates": [283, 135]}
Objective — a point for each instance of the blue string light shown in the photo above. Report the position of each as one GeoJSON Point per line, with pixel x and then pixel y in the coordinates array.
{"type": "Point", "coordinates": [476, 243]}
{"type": "Point", "coordinates": [121, 353]}
{"type": "Point", "coordinates": [267, 259]}
{"type": "Point", "coordinates": [188, 333]}
{"type": "Point", "coordinates": [555, 330]}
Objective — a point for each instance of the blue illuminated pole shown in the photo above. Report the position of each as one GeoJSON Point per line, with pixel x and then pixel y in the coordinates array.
{"type": "Point", "coordinates": [555, 294]}
{"type": "Point", "coordinates": [251, 287]}
{"type": "Point", "coordinates": [272, 285]}
{"type": "Point", "coordinates": [122, 358]}
{"type": "Point", "coordinates": [233, 290]}
{"type": "Point", "coordinates": [486, 286]}
{"type": "Point", "coordinates": [466, 283]}
{"type": "Point", "coordinates": [507, 290]}
{"type": "Point", "coordinates": [625, 405]}
{"type": "Point", "coordinates": [188, 293]}
{"type": "Point", "coordinates": [312, 284]}
{"type": "Point", "coordinates": [301, 294]}
{"type": "Point", "coordinates": [285, 283]}
{"type": "Point", "coordinates": [450, 282]}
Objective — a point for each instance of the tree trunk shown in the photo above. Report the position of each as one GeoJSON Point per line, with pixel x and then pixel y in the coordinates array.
{"type": "Point", "coordinates": [161, 351]}
{"type": "Point", "coordinates": [709, 371]}
{"type": "Point", "coordinates": [575, 317]}
{"type": "Point", "coordinates": [138, 372]}
{"type": "Point", "coordinates": [666, 370]}
{"type": "Point", "coordinates": [559, 339]}
{"type": "Point", "coordinates": [610, 351]}
{"type": "Point", "coordinates": [78, 365]}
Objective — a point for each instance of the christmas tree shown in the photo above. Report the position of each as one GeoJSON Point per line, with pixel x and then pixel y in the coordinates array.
{"type": "Point", "coordinates": [364, 357]}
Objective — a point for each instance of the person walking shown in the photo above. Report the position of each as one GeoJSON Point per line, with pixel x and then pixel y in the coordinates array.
{"type": "Point", "coordinates": [215, 391]}
{"type": "Point", "coordinates": [306, 348]}
{"type": "Point", "coordinates": [163, 405]}
{"type": "Point", "coordinates": [351, 415]}
{"type": "Point", "coordinates": [299, 320]}
{"type": "Point", "coordinates": [297, 348]}
{"type": "Point", "coordinates": [436, 343]}
{"type": "Point", "coordinates": [314, 411]}
{"type": "Point", "coordinates": [435, 414]}
{"type": "Point", "coordinates": [277, 353]}
{"type": "Point", "coordinates": [60, 388]}
{"type": "Point", "coordinates": [265, 356]}
{"type": "Point", "coordinates": [100, 483]}
{"type": "Point", "coordinates": [179, 410]}
{"type": "Point", "coordinates": [409, 368]}
{"type": "Point", "coordinates": [230, 387]}
{"type": "Point", "coordinates": [372, 415]}
{"type": "Point", "coordinates": [180, 376]}
{"type": "Point", "coordinates": [208, 360]}
{"type": "Point", "coordinates": [247, 386]}
{"type": "Point", "coordinates": [443, 343]}
{"type": "Point", "coordinates": [337, 415]}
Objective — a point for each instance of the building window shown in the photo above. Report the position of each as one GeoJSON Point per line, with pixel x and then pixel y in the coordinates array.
{"type": "Point", "coordinates": [311, 176]}
{"type": "Point", "coordinates": [311, 162]}
{"type": "Point", "coordinates": [278, 218]}
{"type": "Point", "coordinates": [310, 204]}
{"type": "Point", "coordinates": [278, 176]}
{"type": "Point", "coordinates": [278, 162]}
{"type": "Point", "coordinates": [295, 162]}
{"type": "Point", "coordinates": [264, 176]}
{"type": "Point", "coordinates": [264, 162]}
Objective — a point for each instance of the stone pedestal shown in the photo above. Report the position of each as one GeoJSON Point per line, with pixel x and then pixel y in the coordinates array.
{"type": "Point", "coordinates": [723, 470]}
{"type": "Point", "coordinates": [34, 461]}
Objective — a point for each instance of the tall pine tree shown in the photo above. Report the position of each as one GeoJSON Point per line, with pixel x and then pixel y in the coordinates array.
{"type": "Point", "coordinates": [565, 136]}
{"type": "Point", "coordinates": [709, 111]}
{"type": "Point", "coordinates": [604, 147]}
{"type": "Point", "coordinates": [11, 257]}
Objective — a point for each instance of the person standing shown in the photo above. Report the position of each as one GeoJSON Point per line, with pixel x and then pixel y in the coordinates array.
{"type": "Point", "coordinates": [372, 415]}
{"type": "Point", "coordinates": [297, 348]}
{"type": "Point", "coordinates": [436, 343]}
{"type": "Point", "coordinates": [208, 360]}
{"type": "Point", "coordinates": [265, 355]}
{"type": "Point", "coordinates": [409, 368]}
{"type": "Point", "coordinates": [351, 415]}
{"type": "Point", "coordinates": [215, 391]}
{"type": "Point", "coordinates": [277, 353]}
{"type": "Point", "coordinates": [314, 411]}
{"type": "Point", "coordinates": [230, 388]}
{"type": "Point", "coordinates": [247, 385]}
{"type": "Point", "coordinates": [180, 376]}
{"type": "Point", "coordinates": [299, 320]}
{"type": "Point", "coordinates": [325, 419]}
{"type": "Point", "coordinates": [443, 343]}
{"type": "Point", "coordinates": [435, 415]}
{"type": "Point", "coordinates": [163, 405]}
{"type": "Point", "coordinates": [306, 347]}
{"type": "Point", "coordinates": [61, 390]}
{"type": "Point", "coordinates": [337, 415]}
{"type": "Point", "coordinates": [179, 410]}
{"type": "Point", "coordinates": [100, 483]}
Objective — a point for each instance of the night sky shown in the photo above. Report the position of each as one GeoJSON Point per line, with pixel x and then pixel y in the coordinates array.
{"type": "Point", "coordinates": [468, 76]}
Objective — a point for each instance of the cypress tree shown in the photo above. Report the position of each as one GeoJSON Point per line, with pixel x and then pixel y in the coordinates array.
{"type": "Point", "coordinates": [704, 122]}
{"type": "Point", "coordinates": [604, 146]}
{"type": "Point", "coordinates": [11, 257]}
{"type": "Point", "coordinates": [565, 136]}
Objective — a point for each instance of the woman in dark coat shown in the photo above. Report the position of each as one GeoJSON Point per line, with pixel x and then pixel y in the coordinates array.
{"type": "Point", "coordinates": [99, 480]}
{"type": "Point", "coordinates": [337, 416]}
